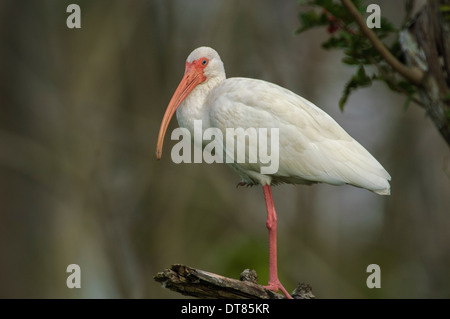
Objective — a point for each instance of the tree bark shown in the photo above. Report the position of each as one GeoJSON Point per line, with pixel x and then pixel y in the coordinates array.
{"type": "Point", "coordinates": [198, 283]}
{"type": "Point", "coordinates": [426, 44]}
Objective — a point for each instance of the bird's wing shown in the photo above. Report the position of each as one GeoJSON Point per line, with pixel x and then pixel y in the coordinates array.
{"type": "Point", "coordinates": [312, 146]}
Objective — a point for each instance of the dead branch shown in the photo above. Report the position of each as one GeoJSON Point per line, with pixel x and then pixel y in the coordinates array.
{"type": "Point", "coordinates": [198, 283]}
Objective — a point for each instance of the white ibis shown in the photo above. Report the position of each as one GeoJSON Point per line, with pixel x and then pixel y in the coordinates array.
{"type": "Point", "coordinates": [313, 148]}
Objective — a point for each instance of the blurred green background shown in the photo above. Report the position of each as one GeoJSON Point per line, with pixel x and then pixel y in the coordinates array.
{"type": "Point", "coordinates": [80, 111]}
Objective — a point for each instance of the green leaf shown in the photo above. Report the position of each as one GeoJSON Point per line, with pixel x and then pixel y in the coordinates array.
{"type": "Point", "coordinates": [362, 78]}
{"type": "Point", "coordinates": [350, 60]}
{"type": "Point", "coordinates": [358, 80]}
{"type": "Point", "coordinates": [386, 29]}
{"type": "Point", "coordinates": [343, 40]}
{"type": "Point", "coordinates": [407, 102]}
{"type": "Point", "coordinates": [408, 87]}
{"type": "Point", "coordinates": [310, 20]}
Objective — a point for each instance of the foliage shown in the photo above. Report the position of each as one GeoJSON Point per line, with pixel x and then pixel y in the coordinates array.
{"type": "Point", "coordinates": [358, 51]}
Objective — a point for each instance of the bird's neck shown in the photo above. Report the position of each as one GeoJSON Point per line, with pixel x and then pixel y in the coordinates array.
{"type": "Point", "coordinates": [194, 107]}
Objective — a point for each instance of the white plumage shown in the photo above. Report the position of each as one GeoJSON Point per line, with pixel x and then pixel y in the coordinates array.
{"type": "Point", "coordinates": [313, 148]}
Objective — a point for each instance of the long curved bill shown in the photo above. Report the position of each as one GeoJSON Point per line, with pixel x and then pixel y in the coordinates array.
{"type": "Point", "coordinates": [192, 77]}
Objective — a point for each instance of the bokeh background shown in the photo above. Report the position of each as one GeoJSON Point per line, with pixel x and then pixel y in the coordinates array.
{"type": "Point", "coordinates": [80, 111]}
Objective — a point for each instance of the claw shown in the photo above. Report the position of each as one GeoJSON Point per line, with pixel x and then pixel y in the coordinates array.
{"type": "Point", "coordinates": [275, 286]}
{"type": "Point", "coordinates": [243, 184]}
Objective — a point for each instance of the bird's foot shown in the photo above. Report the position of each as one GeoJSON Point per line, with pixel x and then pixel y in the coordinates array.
{"type": "Point", "coordinates": [275, 286]}
{"type": "Point", "coordinates": [243, 184]}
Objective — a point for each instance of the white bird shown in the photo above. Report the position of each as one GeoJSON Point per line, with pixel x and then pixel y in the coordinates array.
{"type": "Point", "coordinates": [313, 148]}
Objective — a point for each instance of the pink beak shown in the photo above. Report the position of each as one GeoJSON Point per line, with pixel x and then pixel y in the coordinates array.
{"type": "Point", "coordinates": [193, 76]}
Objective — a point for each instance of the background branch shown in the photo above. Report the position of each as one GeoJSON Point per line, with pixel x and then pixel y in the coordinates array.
{"type": "Point", "coordinates": [412, 74]}
{"type": "Point", "coordinates": [426, 45]}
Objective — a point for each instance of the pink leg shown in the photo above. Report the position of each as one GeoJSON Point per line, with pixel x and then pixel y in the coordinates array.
{"type": "Point", "coordinates": [271, 223]}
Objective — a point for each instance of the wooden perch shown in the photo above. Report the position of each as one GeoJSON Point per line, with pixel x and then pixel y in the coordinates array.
{"type": "Point", "coordinates": [198, 283]}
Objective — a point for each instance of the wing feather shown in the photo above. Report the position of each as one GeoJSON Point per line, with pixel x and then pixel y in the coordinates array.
{"type": "Point", "coordinates": [312, 146]}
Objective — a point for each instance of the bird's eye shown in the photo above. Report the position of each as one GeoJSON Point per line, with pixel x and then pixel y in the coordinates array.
{"type": "Point", "coordinates": [204, 62]}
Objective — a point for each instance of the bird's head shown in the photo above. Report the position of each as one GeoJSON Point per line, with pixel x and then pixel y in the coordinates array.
{"type": "Point", "coordinates": [203, 66]}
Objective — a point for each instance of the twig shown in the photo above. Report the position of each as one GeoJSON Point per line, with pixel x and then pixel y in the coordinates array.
{"type": "Point", "coordinates": [412, 74]}
{"type": "Point", "coordinates": [202, 284]}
